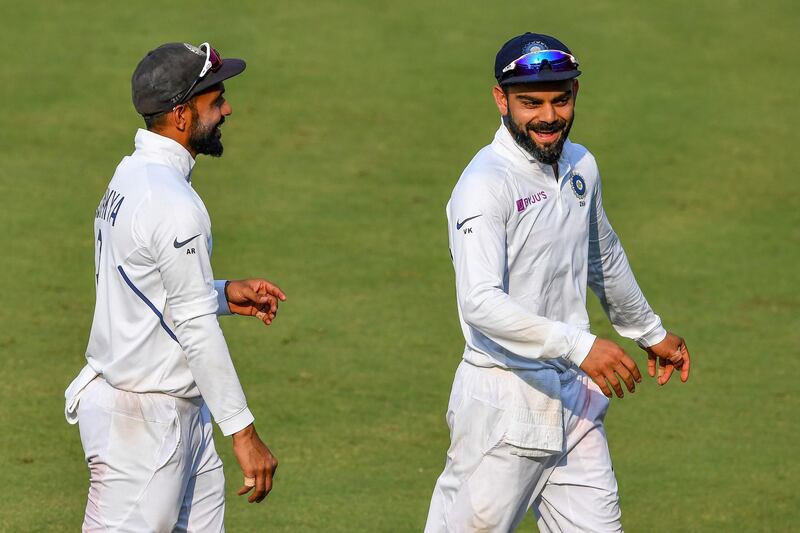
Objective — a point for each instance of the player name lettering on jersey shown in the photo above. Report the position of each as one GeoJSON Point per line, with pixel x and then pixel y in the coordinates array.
{"type": "Point", "coordinates": [109, 206]}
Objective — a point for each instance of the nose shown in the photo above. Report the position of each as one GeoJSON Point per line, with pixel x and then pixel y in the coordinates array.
{"type": "Point", "coordinates": [548, 113]}
{"type": "Point", "coordinates": [226, 109]}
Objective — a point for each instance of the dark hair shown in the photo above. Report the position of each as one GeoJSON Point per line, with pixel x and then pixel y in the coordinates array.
{"type": "Point", "coordinates": [157, 120]}
{"type": "Point", "coordinates": [154, 121]}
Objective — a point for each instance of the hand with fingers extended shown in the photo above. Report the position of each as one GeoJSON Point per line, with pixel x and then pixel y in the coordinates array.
{"type": "Point", "coordinates": [254, 297]}
{"type": "Point", "coordinates": [607, 362]}
{"type": "Point", "coordinates": [668, 355]}
{"type": "Point", "coordinates": [257, 463]}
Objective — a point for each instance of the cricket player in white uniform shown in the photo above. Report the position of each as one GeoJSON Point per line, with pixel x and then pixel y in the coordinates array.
{"type": "Point", "coordinates": [527, 234]}
{"type": "Point", "coordinates": [158, 368]}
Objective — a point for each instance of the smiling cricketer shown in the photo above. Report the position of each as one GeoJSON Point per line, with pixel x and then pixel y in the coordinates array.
{"type": "Point", "coordinates": [527, 235]}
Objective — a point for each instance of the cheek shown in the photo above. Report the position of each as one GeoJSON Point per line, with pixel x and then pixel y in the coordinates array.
{"type": "Point", "coordinates": [566, 113]}
{"type": "Point", "coordinates": [522, 116]}
{"type": "Point", "coordinates": [212, 121]}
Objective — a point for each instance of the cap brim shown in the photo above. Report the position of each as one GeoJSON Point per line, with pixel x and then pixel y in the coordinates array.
{"type": "Point", "coordinates": [230, 67]}
{"type": "Point", "coordinates": [546, 75]}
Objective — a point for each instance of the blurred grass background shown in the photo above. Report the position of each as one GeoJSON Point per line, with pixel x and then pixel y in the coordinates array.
{"type": "Point", "coordinates": [350, 127]}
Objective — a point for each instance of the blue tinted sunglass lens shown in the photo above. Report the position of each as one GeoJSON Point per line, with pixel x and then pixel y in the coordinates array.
{"type": "Point", "coordinates": [556, 60]}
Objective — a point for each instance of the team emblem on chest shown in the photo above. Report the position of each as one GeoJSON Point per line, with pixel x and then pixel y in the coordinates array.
{"type": "Point", "coordinates": [578, 187]}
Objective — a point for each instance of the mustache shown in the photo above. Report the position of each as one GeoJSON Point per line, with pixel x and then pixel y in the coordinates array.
{"type": "Point", "coordinates": [546, 127]}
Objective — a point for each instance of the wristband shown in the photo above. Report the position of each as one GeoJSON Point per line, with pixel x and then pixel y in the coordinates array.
{"type": "Point", "coordinates": [225, 290]}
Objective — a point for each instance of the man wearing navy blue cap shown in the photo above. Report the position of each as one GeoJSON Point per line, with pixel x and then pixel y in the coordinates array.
{"type": "Point", "coordinates": [527, 234]}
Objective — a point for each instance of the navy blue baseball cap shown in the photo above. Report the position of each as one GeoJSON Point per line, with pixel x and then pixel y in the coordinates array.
{"type": "Point", "coordinates": [534, 57]}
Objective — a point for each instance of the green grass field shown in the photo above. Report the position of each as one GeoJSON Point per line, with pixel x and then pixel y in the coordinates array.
{"type": "Point", "coordinates": [350, 127]}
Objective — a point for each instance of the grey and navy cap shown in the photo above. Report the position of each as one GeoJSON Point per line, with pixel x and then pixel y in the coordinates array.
{"type": "Point", "coordinates": [164, 77]}
{"type": "Point", "coordinates": [525, 44]}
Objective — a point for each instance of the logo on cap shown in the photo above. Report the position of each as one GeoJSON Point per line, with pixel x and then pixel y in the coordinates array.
{"type": "Point", "coordinates": [533, 46]}
{"type": "Point", "coordinates": [193, 48]}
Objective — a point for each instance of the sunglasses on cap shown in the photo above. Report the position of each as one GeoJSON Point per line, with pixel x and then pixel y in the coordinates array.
{"type": "Point", "coordinates": [535, 62]}
{"type": "Point", "coordinates": [212, 64]}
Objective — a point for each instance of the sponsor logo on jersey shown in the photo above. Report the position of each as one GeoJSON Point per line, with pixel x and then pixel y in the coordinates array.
{"type": "Point", "coordinates": [527, 201]}
{"type": "Point", "coordinates": [578, 187]}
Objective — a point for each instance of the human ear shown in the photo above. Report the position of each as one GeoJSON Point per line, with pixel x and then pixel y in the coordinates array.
{"type": "Point", "coordinates": [179, 115]}
{"type": "Point", "coordinates": [500, 99]}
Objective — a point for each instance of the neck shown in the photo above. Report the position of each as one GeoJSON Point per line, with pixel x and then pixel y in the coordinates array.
{"type": "Point", "coordinates": [180, 137]}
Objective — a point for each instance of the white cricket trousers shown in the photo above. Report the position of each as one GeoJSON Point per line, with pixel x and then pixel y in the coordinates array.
{"type": "Point", "coordinates": [152, 462]}
{"type": "Point", "coordinates": [487, 486]}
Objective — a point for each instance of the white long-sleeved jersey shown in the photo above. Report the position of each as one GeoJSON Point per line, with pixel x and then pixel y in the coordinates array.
{"type": "Point", "coordinates": [524, 247]}
{"type": "Point", "coordinates": [155, 327]}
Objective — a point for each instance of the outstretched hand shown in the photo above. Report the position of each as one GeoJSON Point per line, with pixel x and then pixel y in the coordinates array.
{"type": "Point", "coordinates": [254, 297]}
{"type": "Point", "coordinates": [668, 355]}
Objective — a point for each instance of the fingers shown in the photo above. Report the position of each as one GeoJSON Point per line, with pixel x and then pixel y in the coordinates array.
{"type": "Point", "coordinates": [261, 485]}
{"type": "Point", "coordinates": [607, 363]}
{"type": "Point", "coordinates": [609, 382]}
{"type": "Point", "coordinates": [260, 493]}
{"type": "Point", "coordinates": [266, 314]}
{"type": "Point", "coordinates": [272, 304]}
{"type": "Point", "coordinates": [273, 290]}
{"type": "Point", "coordinates": [249, 483]}
{"type": "Point", "coordinates": [626, 369]}
{"type": "Point", "coordinates": [264, 482]}
{"type": "Point", "coordinates": [651, 364]}
{"type": "Point", "coordinates": [665, 370]}
{"type": "Point", "coordinates": [679, 359]}
{"type": "Point", "coordinates": [630, 366]}
{"type": "Point", "coordinates": [613, 376]}
{"type": "Point", "coordinates": [258, 486]}
{"type": "Point", "coordinates": [598, 379]}
{"type": "Point", "coordinates": [614, 382]}
{"type": "Point", "coordinates": [686, 362]}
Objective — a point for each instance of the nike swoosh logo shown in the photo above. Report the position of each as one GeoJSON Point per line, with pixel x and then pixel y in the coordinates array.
{"type": "Point", "coordinates": [459, 224]}
{"type": "Point", "coordinates": [181, 244]}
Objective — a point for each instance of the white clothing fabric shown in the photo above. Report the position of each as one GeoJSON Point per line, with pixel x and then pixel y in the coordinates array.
{"type": "Point", "coordinates": [524, 245]}
{"type": "Point", "coordinates": [152, 462]}
{"type": "Point", "coordinates": [489, 482]}
{"type": "Point", "coordinates": [525, 422]}
{"type": "Point", "coordinates": [154, 327]}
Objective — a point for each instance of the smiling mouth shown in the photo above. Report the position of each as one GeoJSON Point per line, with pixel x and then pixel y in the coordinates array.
{"type": "Point", "coordinates": [545, 137]}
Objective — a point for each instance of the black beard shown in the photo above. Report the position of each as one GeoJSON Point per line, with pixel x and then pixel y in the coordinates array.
{"type": "Point", "coordinates": [203, 138]}
{"type": "Point", "coordinates": [547, 155]}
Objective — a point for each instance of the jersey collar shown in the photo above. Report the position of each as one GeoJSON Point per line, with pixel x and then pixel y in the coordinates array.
{"type": "Point", "coordinates": [165, 151]}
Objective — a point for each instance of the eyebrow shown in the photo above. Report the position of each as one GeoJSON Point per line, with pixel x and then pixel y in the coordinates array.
{"type": "Point", "coordinates": [534, 100]}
